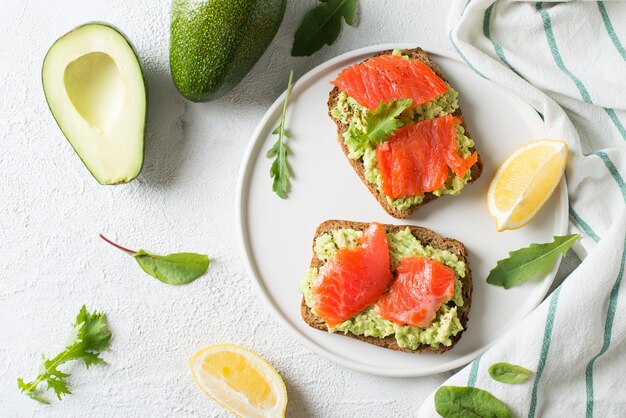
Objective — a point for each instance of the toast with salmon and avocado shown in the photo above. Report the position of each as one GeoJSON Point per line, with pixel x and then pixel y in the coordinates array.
{"type": "Point", "coordinates": [400, 126]}
{"type": "Point", "coordinates": [404, 288]}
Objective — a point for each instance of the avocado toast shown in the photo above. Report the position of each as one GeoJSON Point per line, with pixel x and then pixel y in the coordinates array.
{"type": "Point", "coordinates": [432, 100]}
{"type": "Point", "coordinates": [368, 320]}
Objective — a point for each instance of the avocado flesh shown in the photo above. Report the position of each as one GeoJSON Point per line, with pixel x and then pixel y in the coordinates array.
{"type": "Point", "coordinates": [95, 90]}
{"type": "Point", "coordinates": [215, 43]}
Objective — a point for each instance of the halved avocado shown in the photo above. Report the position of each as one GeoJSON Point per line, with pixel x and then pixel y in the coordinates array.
{"type": "Point", "coordinates": [95, 90]}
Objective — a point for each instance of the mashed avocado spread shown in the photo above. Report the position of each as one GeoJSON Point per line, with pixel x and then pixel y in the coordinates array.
{"type": "Point", "coordinates": [368, 323]}
{"type": "Point", "coordinates": [349, 112]}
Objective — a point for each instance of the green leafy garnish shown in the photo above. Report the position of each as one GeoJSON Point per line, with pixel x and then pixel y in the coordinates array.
{"type": "Point", "coordinates": [509, 373]}
{"type": "Point", "coordinates": [523, 264]}
{"type": "Point", "coordinates": [279, 170]}
{"type": "Point", "coordinates": [463, 401]}
{"type": "Point", "coordinates": [178, 268]}
{"type": "Point", "coordinates": [379, 124]}
{"type": "Point", "coordinates": [322, 25]}
{"type": "Point", "coordinates": [90, 337]}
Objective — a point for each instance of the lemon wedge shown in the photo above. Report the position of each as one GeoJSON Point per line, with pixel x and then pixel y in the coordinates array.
{"type": "Point", "coordinates": [240, 381]}
{"type": "Point", "coordinates": [525, 182]}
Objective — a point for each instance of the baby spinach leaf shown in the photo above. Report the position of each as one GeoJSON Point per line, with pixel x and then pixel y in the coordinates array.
{"type": "Point", "coordinates": [322, 25]}
{"type": "Point", "coordinates": [177, 268]}
{"type": "Point", "coordinates": [523, 264]}
{"type": "Point", "coordinates": [509, 373]}
{"type": "Point", "coordinates": [463, 401]}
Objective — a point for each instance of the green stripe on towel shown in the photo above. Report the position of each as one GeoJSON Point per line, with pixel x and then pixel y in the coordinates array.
{"type": "Point", "coordinates": [471, 380]}
{"type": "Point", "coordinates": [608, 329]}
{"type": "Point", "coordinates": [616, 121]}
{"type": "Point", "coordinates": [610, 30]}
{"type": "Point", "coordinates": [496, 46]}
{"type": "Point", "coordinates": [547, 26]}
{"type": "Point", "coordinates": [458, 51]}
{"type": "Point", "coordinates": [613, 170]}
{"type": "Point", "coordinates": [584, 225]}
{"type": "Point", "coordinates": [545, 347]}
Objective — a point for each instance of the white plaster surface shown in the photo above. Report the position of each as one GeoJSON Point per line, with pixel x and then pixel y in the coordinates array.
{"type": "Point", "coordinates": [52, 261]}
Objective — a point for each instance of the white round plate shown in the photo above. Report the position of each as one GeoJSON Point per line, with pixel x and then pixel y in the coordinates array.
{"type": "Point", "coordinates": [277, 234]}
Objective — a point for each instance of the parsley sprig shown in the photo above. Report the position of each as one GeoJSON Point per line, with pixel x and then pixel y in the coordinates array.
{"type": "Point", "coordinates": [279, 170]}
{"type": "Point", "coordinates": [90, 337]}
{"type": "Point", "coordinates": [378, 124]}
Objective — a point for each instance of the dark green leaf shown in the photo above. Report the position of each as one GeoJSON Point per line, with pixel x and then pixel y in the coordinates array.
{"type": "Point", "coordinates": [322, 25]}
{"type": "Point", "coordinates": [523, 264]}
{"type": "Point", "coordinates": [462, 402]}
{"type": "Point", "coordinates": [179, 268]}
{"type": "Point", "coordinates": [90, 336]}
{"type": "Point", "coordinates": [346, 8]}
{"type": "Point", "coordinates": [509, 373]}
{"type": "Point", "coordinates": [279, 171]}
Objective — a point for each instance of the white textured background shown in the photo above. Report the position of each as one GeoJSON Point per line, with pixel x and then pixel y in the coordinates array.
{"type": "Point", "coordinates": [52, 261]}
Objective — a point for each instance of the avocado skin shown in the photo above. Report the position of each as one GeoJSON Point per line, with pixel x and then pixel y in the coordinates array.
{"type": "Point", "coordinates": [215, 43]}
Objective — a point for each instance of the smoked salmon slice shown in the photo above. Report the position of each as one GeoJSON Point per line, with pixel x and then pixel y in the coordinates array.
{"type": "Point", "coordinates": [421, 287]}
{"type": "Point", "coordinates": [354, 278]}
{"type": "Point", "coordinates": [387, 77]}
{"type": "Point", "coordinates": [416, 158]}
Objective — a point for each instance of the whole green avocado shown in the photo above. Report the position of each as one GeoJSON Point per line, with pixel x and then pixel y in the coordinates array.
{"type": "Point", "coordinates": [215, 43]}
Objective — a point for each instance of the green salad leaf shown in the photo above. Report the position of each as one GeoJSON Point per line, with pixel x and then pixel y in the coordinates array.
{"type": "Point", "coordinates": [523, 264]}
{"type": "Point", "coordinates": [379, 124]}
{"type": "Point", "coordinates": [383, 121]}
{"type": "Point", "coordinates": [322, 25]}
{"type": "Point", "coordinates": [90, 337]}
{"type": "Point", "coordinates": [509, 373]}
{"type": "Point", "coordinates": [463, 401]}
{"type": "Point", "coordinates": [177, 268]}
{"type": "Point", "coordinates": [279, 170]}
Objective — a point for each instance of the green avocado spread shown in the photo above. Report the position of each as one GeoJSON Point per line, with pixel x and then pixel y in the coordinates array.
{"type": "Point", "coordinates": [368, 323]}
{"type": "Point", "coordinates": [349, 112]}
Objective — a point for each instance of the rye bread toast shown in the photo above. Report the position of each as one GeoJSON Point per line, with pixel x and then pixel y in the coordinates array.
{"type": "Point", "coordinates": [426, 237]}
{"type": "Point", "coordinates": [476, 169]}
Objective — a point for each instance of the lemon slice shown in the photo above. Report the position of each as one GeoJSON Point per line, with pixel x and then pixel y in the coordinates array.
{"type": "Point", "coordinates": [525, 182]}
{"type": "Point", "coordinates": [240, 381]}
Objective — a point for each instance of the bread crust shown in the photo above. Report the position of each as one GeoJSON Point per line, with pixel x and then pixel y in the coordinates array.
{"type": "Point", "coordinates": [476, 169]}
{"type": "Point", "coordinates": [426, 237]}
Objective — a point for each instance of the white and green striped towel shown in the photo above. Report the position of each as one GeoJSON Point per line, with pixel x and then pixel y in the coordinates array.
{"type": "Point", "coordinates": [568, 60]}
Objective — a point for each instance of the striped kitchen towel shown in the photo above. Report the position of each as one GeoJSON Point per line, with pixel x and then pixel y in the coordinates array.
{"type": "Point", "coordinates": [567, 60]}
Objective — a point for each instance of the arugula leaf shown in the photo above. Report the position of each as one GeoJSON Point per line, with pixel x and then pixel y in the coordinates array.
{"type": "Point", "coordinates": [379, 124]}
{"type": "Point", "coordinates": [177, 268]}
{"type": "Point", "coordinates": [463, 401]}
{"type": "Point", "coordinates": [279, 170]}
{"type": "Point", "coordinates": [90, 337]}
{"type": "Point", "coordinates": [524, 263]}
{"type": "Point", "coordinates": [509, 373]}
{"type": "Point", "coordinates": [322, 25]}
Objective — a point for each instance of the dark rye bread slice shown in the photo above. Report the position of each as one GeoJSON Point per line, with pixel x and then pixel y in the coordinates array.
{"type": "Point", "coordinates": [476, 169]}
{"type": "Point", "coordinates": [426, 237]}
